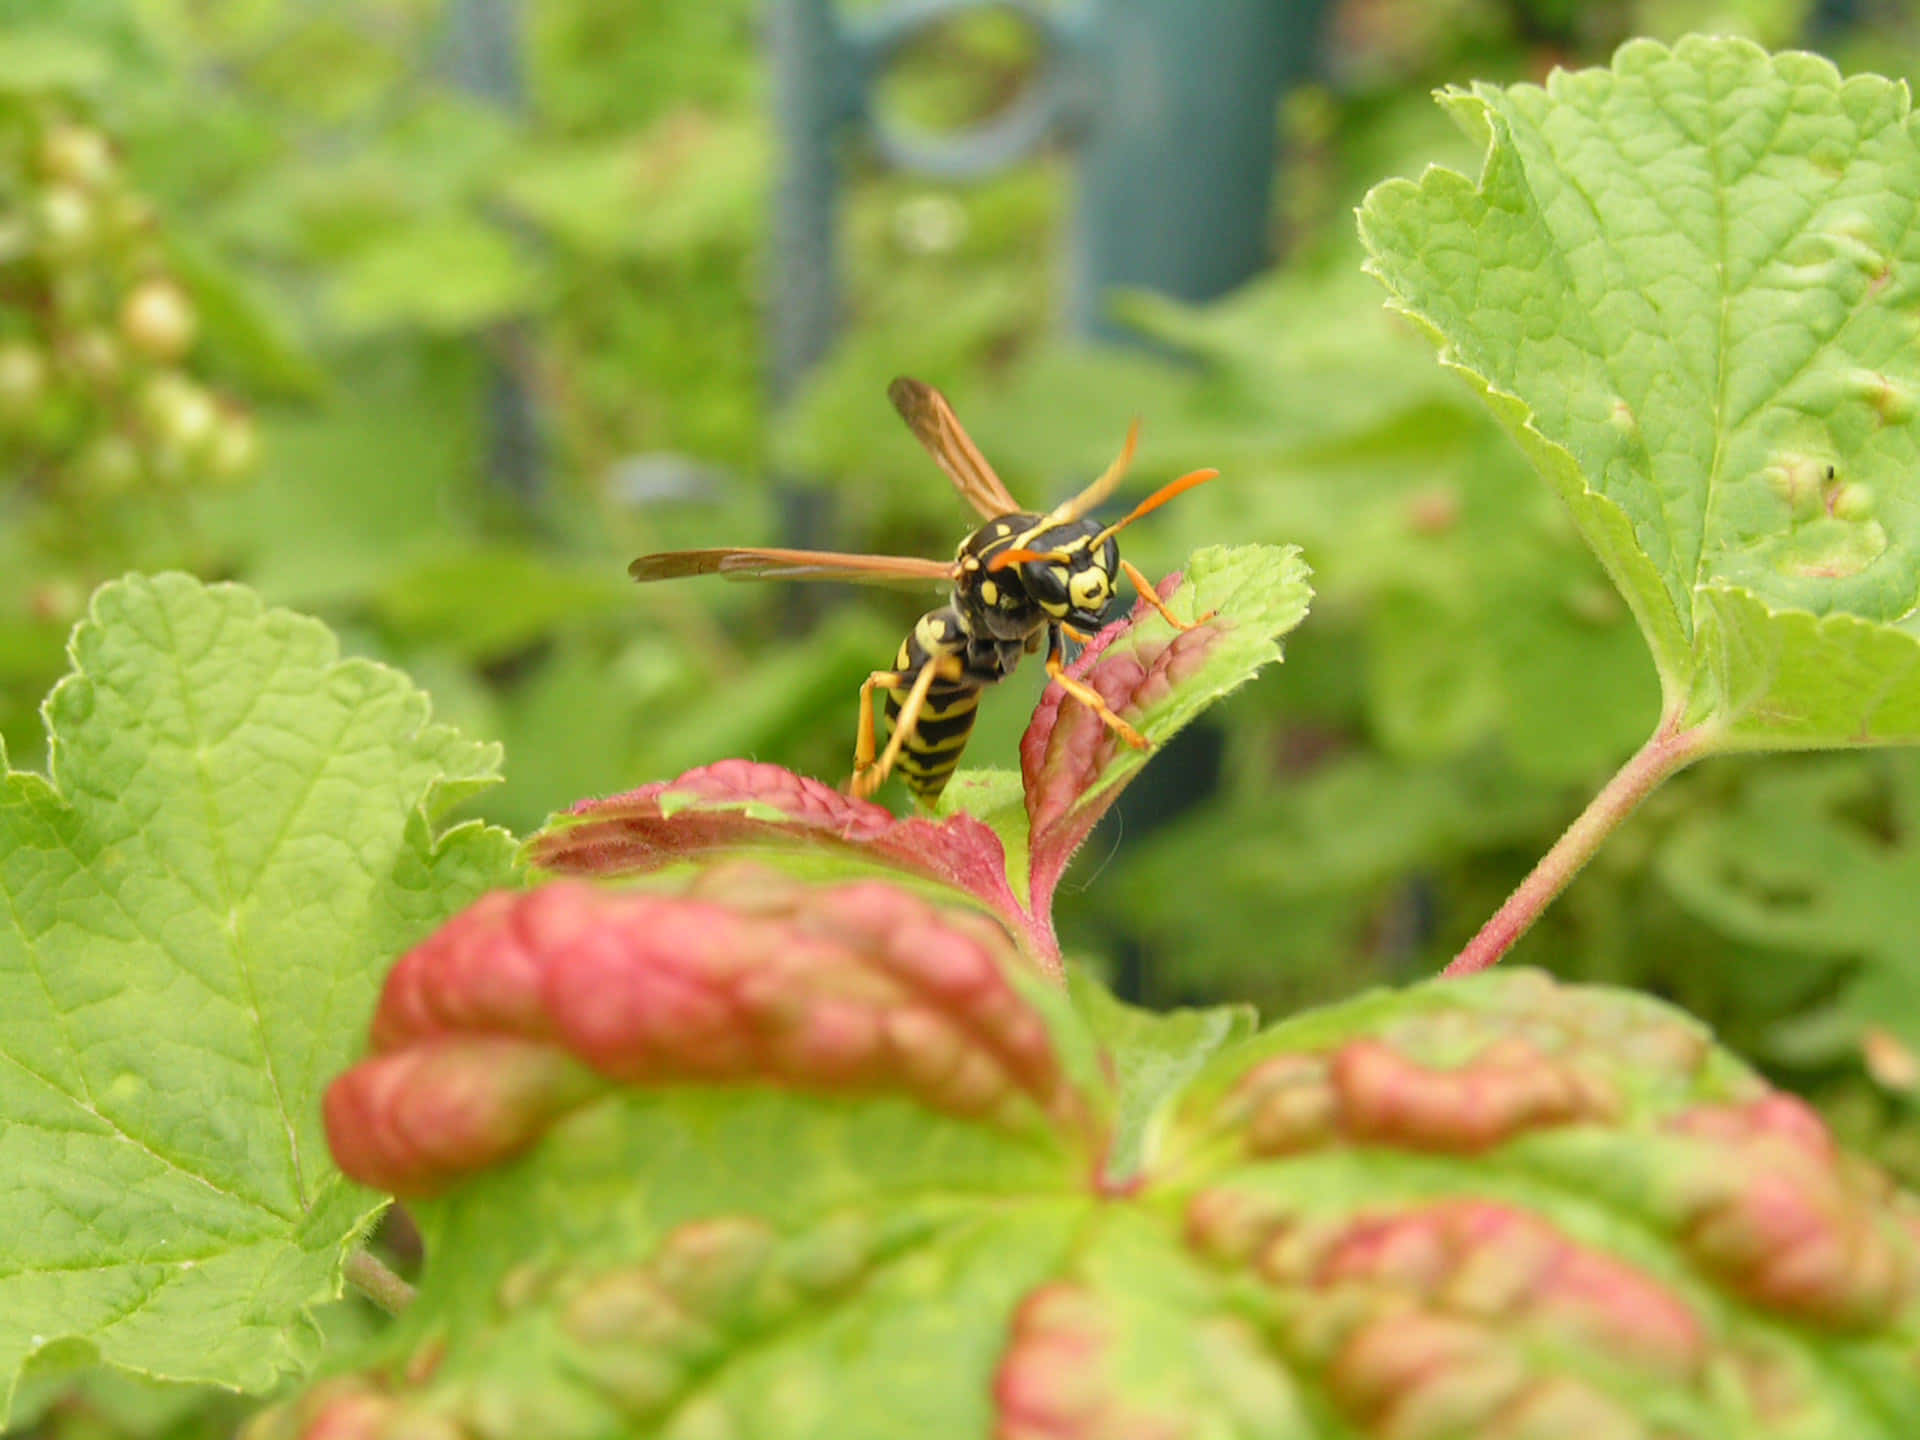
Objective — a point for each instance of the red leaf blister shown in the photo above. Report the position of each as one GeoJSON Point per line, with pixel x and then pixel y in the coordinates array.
{"type": "Point", "coordinates": [742, 806]}
{"type": "Point", "coordinates": [528, 1004]}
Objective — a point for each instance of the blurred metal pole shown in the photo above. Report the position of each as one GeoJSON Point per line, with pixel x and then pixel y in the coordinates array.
{"type": "Point", "coordinates": [484, 57]}
{"type": "Point", "coordinates": [815, 101]}
{"type": "Point", "coordinates": [1177, 147]}
{"type": "Point", "coordinates": [1177, 160]}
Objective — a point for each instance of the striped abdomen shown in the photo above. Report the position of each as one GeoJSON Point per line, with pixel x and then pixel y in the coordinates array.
{"type": "Point", "coordinates": [932, 753]}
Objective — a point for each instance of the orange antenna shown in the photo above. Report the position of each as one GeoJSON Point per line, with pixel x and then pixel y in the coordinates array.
{"type": "Point", "coordinates": [1154, 502]}
{"type": "Point", "coordinates": [1100, 489]}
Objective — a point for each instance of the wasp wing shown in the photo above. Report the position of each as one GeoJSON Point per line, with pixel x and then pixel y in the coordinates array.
{"type": "Point", "coordinates": [1097, 493]}
{"type": "Point", "coordinates": [749, 562]}
{"type": "Point", "coordinates": [935, 426]}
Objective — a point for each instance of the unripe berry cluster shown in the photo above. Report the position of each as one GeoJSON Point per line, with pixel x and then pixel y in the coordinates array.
{"type": "Point", "coordinates": [96, 399]}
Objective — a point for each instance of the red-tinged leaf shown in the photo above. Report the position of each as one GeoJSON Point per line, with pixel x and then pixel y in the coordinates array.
{"type": "Point", "coordinates": [1238, 601]}
{"type": "Point", "coordinates": [1765, 1198]}
{"type": "Point", "coordinates": [529, 1004]}
{"type": "Point", "coordinates": [741, 807]}
{"type": "Point", "coordinates": [1498, 1208]}
{"type": "Point", "coordinates": [1455, 1316]}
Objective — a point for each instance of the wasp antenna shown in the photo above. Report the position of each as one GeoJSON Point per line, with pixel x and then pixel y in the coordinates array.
{"type": "Point", "coordinates": [1109, 481]}
{"type": "Point", "coordinates": [1153, 502]}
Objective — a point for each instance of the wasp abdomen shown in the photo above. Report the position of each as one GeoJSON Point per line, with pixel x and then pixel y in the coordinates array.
{"type": "Point", "coordinates": [932, 752]}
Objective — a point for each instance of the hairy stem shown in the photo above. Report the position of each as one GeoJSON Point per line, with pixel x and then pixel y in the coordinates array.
{"type": "Point", "coordinates": [1671, 749]}
{"type": "Point", "coordinates": [369, 1274]}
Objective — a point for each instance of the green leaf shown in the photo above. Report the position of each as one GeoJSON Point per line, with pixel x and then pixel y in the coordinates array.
{"type": "Point", "coordinates": [1478, 1203]}
{"type": "Point", "coordinates": [486, 600]}
{"type": "Point", "coordinates": [240, 326]}
{"type": "Point", "coordinates": [1324, 862]}
{"type": "Point", "coordinates": [998, 799]}
{"type": "Point", "coordinates": [446, 273]}
{"type": "Point", "coordinates": [237, 831]}
{"type": "Point", "coordinates": [1819, 858]}
{"type": "Point", "coordinates": [1153, 1056]}
{"type": "Point", "coordinates": [688, 183]}
{"type": "Point", "coordinates": [1685, 284]}
{"type": "Point", "coordinates": [49, 57]}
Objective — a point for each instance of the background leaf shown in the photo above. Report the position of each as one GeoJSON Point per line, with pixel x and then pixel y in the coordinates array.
{"type": "Point", "coordinates": [1685, 283]}
{"type": "Point", "coordinates": [235, 835]}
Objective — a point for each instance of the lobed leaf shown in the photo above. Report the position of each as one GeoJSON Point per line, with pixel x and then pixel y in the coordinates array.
{"type": "Point", "coordinates": [1496, 1207]}
{"type": "Point", "coordinates": [236, 830]}
{"type": "Point", "coordinates": [1819, 859]}
{"type": "Point", "coordinates": [1685, 284]}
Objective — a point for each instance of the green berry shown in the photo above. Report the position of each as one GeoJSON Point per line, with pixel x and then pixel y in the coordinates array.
{"type": "Point", "coordinates": [236, 447]}
{"type": "Point", "coordinates": [76, 154]}
{"type": "Point", "coordinates": [64, 220]}
{"type": "Point", "coordinates": [23, 378]}
{"type": "Point", "coordinates": [92, 355]}
{"type": "Point", "coordinates": [182, 414]}
{"type": "Point", "coordinates": [158, 320]}
{"type": "Point", "coordinates": [109, 466]}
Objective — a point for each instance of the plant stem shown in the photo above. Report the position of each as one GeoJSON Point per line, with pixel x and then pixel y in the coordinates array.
{"type": "Point", "coordinates": [369, 1274]}
{"type": "Point", "coordinates": [1671, 749]}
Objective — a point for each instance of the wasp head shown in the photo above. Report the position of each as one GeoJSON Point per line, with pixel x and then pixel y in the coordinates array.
{"type": "Point", "coordinates": [1071, 573]}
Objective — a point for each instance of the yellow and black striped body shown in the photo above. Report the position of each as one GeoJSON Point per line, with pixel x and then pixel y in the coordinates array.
{"type": "Point", "coordinates": [930, 754]}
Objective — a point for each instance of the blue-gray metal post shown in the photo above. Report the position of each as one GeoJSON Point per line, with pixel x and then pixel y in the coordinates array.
{"type": "Point", "coordinates": [1177, 106]}
{"type": "Point", "coordinates": [814, 103]}
{"type": "Point", "coordinates": [815, 99]}
{"type": "Point", "coordinates": [1178, 113]}
{"type": "Point", "coordinates": [482, 45]}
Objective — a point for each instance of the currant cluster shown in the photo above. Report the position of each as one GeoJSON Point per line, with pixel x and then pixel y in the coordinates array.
{"type": "Point", "coordinates": [95, 333]}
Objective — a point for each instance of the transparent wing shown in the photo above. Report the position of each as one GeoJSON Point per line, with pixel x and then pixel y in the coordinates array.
{"type": "Point", "coordinates": [1109, 481]}
{"type": "Point", "coordinates": [749, 562]}
{"type": "Point", "coordinates": [935, 426]}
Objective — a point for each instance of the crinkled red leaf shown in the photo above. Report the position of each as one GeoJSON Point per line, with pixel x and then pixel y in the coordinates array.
{"type": "Point", "coordinates": [527, 1004]}
{"type": "Point", "coordinates": [1752, 1187]}
{"type": "Point", "coordinates": [742, 806]}
{"type": "Point", "coordinates": [1067, 749]}
{"type": "Point", "coordinates": [1440, 1318]}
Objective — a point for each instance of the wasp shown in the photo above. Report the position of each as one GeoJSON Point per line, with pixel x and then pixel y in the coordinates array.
{"type": "Point", "coordinates": [1020, 581]}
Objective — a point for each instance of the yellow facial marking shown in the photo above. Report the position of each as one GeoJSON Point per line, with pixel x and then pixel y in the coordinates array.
{"type": "Point", "coordinates": [989, 592]}
{"type": "Point", "coordinates": [1089, 589]}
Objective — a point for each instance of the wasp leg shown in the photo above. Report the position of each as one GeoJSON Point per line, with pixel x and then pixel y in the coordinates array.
{"type": "Point", "coordinates": [869, 778]}
{"type": "Point", "coordinates": [1152, 596]}
{"type": "Point", "coordinates": [863, 739]}
{"type": "Point", "coordinates": [1078, 637]}
{"type": "Point", "coordinates": [1090, 697]}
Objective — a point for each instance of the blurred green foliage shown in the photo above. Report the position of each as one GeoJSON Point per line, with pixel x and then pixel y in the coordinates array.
{"type": "Point", "coordinates": [371, 249]}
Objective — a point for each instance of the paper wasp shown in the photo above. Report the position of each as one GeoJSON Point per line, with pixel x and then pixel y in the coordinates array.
{"type": "Point", "coordinates": [1020, 580]}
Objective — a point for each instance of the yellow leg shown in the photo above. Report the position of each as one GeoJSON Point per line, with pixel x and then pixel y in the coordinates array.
{"type": "Point", "coordinates": [1091, 698]}
{"type": "Point", "coordinates": [1152, 597]}
{"type": "Point", "coordinates": [1077, 636]}
{"type": "Point", "coordinates": [863, 738]}
{"type": "Point", "coordinates": [870, 778]}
